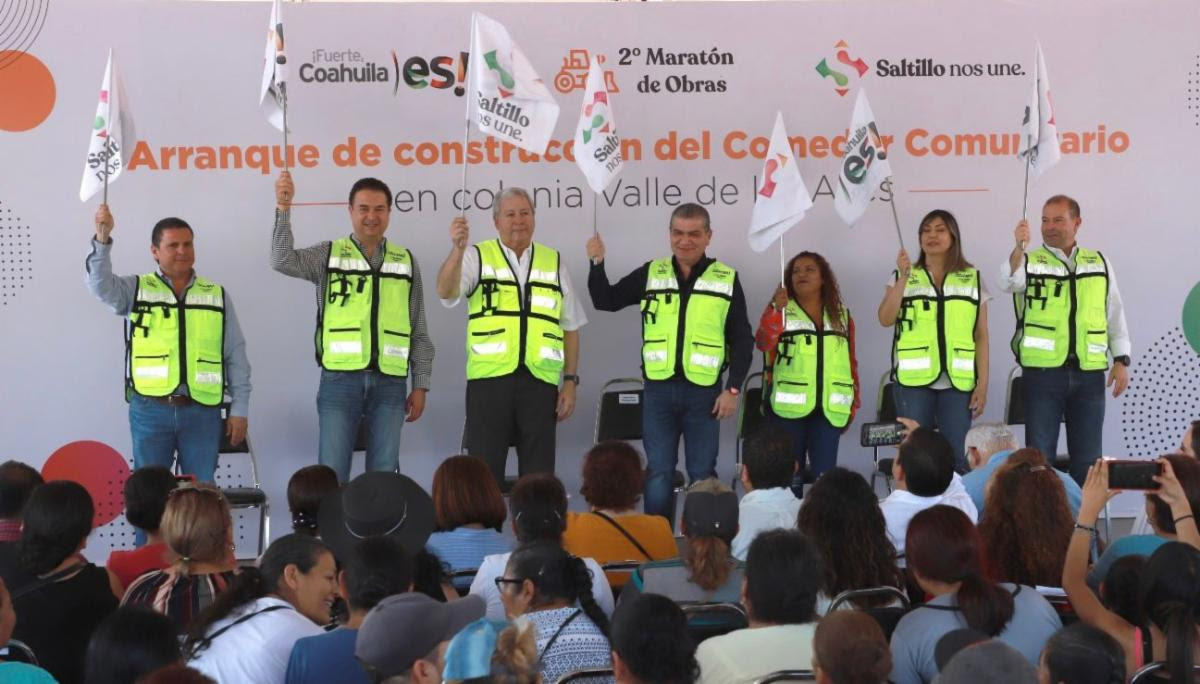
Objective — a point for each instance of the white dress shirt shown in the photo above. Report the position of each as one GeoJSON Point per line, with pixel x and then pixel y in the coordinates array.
{"type": "Point", "coordinates": [761, 510]}
{"type": "Point", "coordinates": [900, 506]}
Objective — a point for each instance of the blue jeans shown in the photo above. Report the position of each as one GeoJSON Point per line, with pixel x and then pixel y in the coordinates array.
{"type": "Point", "coordinates": [949, 409]}
{"type": "Point", "coordinates": [160, 430]}
{"type": "Point", "coordinates": [814, 441]}
{"type": "Point", "coordinates": [346, 398]}
{"type": "Point", "coordinates": [672, 408]}
{"type": "Point", "coordinates": [1052, 394]}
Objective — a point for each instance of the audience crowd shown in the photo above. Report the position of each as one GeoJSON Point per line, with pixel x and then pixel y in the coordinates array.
{"type": "Point", "coordinates": [973, 577]}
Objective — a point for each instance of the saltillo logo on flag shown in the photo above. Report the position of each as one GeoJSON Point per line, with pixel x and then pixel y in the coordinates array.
{"type": "Point", "coordinates": [781, 197]}
{"type": "Point", "coordinates": [507, 99]}
{"type": "Point", "coordinates": [112, 136]}
{"type": "Point", "coordinates": [597, 145]}
{"type": "Point", "coordinates": [273, 98]}
{"type": "Point", "coordinates": [864, 164]}
{"type": "Point", "coordinates": [1039, 132]}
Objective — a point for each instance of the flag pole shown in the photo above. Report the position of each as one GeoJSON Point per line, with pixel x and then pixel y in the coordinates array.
{"type": "Point", "coordinates": [895, 216]}
{"type": "Point", "coordinates": [782, 283]}
{"type": "Point", "coordinates": [466, 137]}
{"type": "Point", "coordinates": [595, 213]}
{"type": "Point", "coordinates": [108, 128]}
{"type": "Point", "coordinates": [283, 92]}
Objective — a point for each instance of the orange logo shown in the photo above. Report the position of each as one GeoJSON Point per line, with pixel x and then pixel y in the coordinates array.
{"type": "Point", "coordinates": [573, 75]}
{"type": "Point", "coordinates": [26, 90]}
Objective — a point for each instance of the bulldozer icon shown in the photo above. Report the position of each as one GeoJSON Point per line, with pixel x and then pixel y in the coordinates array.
{"type": "Point", "coordinates": [573, 75]}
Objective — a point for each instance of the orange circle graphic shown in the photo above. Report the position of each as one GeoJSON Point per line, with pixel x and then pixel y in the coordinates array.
{"type": "Point", "coordinates": [26, 92]}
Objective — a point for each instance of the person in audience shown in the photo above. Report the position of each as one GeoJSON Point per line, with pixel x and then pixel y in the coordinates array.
{"type": "Point", "coordinates": [538, 504]}
{"type": "Point", "coordinates": [988, 662]}
{"type": "Point", "coordinates": [651, 643]}
{"type": "Point", "coordinates": [305, 489]}
{"type": "Point", "coordinates": [1121, 588]}
{"type": "Point", "coordinates": [17, 482]}
{"type": "Point", "coordinates": [469, 514]}
{"type": "Point", "coordinates": [492, 652]}
{"type": "Point", "coordinates": [59, 597]}
{"type": "Point", "coordinates": [946, 560]}
{"type": "Point", "coordinates": [248, 632]}
{"type": "Point", "coordinates": [12, 672]}
{"type": "Point", "coordinates": [924, 475]}
{"type": "Point", "coordinates": [1158, 513]}
{"type": "Point", "coordinates": [377, 568]}
{"type": "Point", "coordinates": [954, 641]}
{"type": "Point", "coordinates": [988, 447]}
{"type": "Point", "coordinates": [432, 577]}
{"type": "Point", "coordinates": [1026, 524]}
{"type": "Point", "coordinates": [198, 532]}
{"type": "Point", "coordinates": [176, 673]}
{"type": "Point", "coordinates": [406, 636]}
{"type": "Point", "coordinates": [783, 577]}
{"type": "Point", "coordinates": [849, 648]}
{"type": "Point", "coordinates": [842, 518]}
{"type": "Point", "coordinates": [145, 493]}
{"type": "Point", "coordinates": [131, 642]}
{"type": "Point", "coordinates": [553, 590]}
{"type": "Point", "coordinates": [767, 469]}
{"type": "Point", "coordinates": [1170, 587]}
{"type": "Point", "coordinates": [707, 572]}
{"type": "Point", "coordinates": [1081, 654]}
{"type": "Point", "coordinates": [612, 530]}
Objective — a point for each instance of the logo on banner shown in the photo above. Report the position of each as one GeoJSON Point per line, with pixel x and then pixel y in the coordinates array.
{"type": "Point", "coordinates": [507, 82]}
{"type": "Point", "coordinates": [439, 72]}
{"type": "Point", "coordinates": [342, 66]}
{"type": "Point", "coordinates": [772, 165]}
{"type": "Point", "coordinates": [841, 79]}
{"type": "Point", "coordinates": [598, 111]}
{"type": "Point", "coordinates": [573, 75]}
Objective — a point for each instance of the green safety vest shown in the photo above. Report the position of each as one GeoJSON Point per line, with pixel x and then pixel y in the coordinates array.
{"type": "Point", "coordinates": [699, 322]}
{"type": "Point", "coordinates": [1061, 313]}
{"type": "Point", "coordinates": [811, 363]}
{"type": "Point", "coordinates": [364, 323]}
{"type": "Point", "coordinates": [935, 330]}
{"type": "Point", "coordinates": [506, 329]}
{"type": "Point", "coordinates": [162, 334]}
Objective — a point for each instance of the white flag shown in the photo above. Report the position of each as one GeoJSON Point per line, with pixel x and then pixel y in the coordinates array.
{"type": "Point", "coordinates": [273, 99]}
{"type": "Point", "coordinates": [597, 145]}
{"type": "Point", "coordinates": [506, 98]}
{"type": "Point", "coordinates": [1039, 132]}
{"type": "Point", "coordinates": [864, 165]}
{"type": "Point", "coordinates": [112, 137]}
{"type": "Point", "coordinates": [781, 197]}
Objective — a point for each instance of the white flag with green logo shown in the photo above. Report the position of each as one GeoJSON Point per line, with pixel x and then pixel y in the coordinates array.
{"type": "Point", "coordinates": [506, 99]}
{"type": "Point", "coordinates": [1039, 131]}
{"type": "Point", "coordinates": [112, 138]}
{"type": "Point", "coordinates": [781, 198]}
{"type": "Point", "coordinates": [864, 164]}
{"type": "Point", "coordinates": [597, 145]}
{"type": "Point", "coordinates": [273, 97]}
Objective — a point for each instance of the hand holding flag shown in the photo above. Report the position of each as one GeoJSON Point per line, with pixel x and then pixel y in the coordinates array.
{"type": "Point", "coordinates": [781, 198]}
{"type": "Point", "coordinates": [597, 145]}
{"type": "Point", "coordinates": [111, 138]}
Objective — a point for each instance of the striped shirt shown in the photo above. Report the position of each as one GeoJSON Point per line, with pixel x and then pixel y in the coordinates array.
{"type": "Point", "coordinates": [464, 548]}
{"type": "Point", "coordinates": [309, 264]}
{"type": "Point", "coordinates": [178, 597]}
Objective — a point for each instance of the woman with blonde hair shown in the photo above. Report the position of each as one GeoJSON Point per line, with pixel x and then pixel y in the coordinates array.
{"type": "Point", "coordinates": [198, 531]}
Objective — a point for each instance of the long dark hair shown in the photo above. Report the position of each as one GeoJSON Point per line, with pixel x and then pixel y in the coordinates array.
{"type": "Point", "coordinates": [131, 642]}
{"type": "Point", "coordinates": [253, 583]}
{"type": "Point", "coordinates": [943, 545]}
{"type": "Point", "coordinates": [557, 575]}
{"type": "Point", "coordinates": [831, 295]}
{"type": "Point", "coordinates": [841, 516]}
{"type": "Point", "coordinates": [57, 519]}
{"type": "Point", "coordinates": [1171, 599]}
{"type": "Point", "coordinates": [955, 261]}
{"type": "Point", "coordinates": [1083, 654]}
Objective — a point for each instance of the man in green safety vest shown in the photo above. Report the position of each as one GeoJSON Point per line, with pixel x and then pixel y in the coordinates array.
{"type": "Point", "coordinates": [694, 324]}
{"type": "Point", "coordinates": [371, 333]}
{"type": "Point", "coordinates": [1070, 320]}
{"type": "Point", "coordinates": [184, 350]}
{"type": "Point", "coordinates": [523, 323]}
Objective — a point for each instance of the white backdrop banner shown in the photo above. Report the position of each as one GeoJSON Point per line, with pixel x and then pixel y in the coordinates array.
{"type": "Point", "coordinates": [377, 90]}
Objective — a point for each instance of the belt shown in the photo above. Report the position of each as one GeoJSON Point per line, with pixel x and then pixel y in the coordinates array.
{"type": "Point", "coordinates": [173, 400]}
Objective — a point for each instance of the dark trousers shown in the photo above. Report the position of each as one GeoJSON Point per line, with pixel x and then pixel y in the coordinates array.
{"type": "Point", "coordinates": [1065, 394]}
{"type": "Point", "coordinates": [512, 410]}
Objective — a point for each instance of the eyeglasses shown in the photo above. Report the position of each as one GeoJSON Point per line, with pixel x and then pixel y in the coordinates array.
{"type": "Point", "coordinates": [501, 581]}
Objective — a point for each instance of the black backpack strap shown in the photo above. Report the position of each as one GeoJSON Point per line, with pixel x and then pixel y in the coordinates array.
{"type": "Point", "coordinates": [42, 582]}
{"type": "Point", "coordinates": [625, 532]}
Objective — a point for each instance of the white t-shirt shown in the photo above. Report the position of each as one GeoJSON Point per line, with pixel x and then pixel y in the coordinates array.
{"type": "Point", "coordinates": [900, 506]}
{"type": "Point", "coordinates": [493, 566]}
{"type": "Point", "coordinates": [258, 649]}
{"type": "Point", "coordinates": [761, 510]}
{"type": "Point", "coordinates": [748, 654]}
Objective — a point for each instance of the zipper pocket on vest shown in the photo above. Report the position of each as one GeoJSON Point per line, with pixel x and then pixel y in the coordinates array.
{"type": "Point", "coordinates": [396, 333]}
{"type": "Point", "coordinates": [1039, 326]}
{"type": "Point", "coordinates": [151, 356]}
{"type": "Point", "coordinates": [486, 333]}
{"type": "Point", "coordinates": [907, 349]}
{"type": "Point", "coordinates": [705, 344]}
{"type": "Point", "coordinates": [215, 363]}
{"type": "Point", "coordinates": [333, 330]}
{"type": "Point", "coordinates": [552, 336]}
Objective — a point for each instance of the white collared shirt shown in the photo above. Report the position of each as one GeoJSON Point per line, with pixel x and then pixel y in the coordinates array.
{"type": "Point", "coordinates": [761, 510]}
{"type": "Point", "coordinates": [1118, 330]}
{"type": "Point", "coordinates": [900, 506]}
{"type": "Point", "coordinates": [573, 316]}
{"type": "Point", "coordinates": [258, 649]}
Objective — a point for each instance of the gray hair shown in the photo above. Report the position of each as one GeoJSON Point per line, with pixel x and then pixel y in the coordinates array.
{"type": "Point", "coordinates": [990, 438]}
{"type": "Point", "coordinates": [509, 193]}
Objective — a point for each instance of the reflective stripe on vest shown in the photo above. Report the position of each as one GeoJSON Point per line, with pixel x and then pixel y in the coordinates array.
{"type": "Point", "coordinates": [935, 331]}
{"type": "Point", "coordinates": [365, 320]}
{"type": "Point", "coordinates": [807, 359]}
{"type": "Point", "coordinates": [1062, 314]}
{"type": "Point", "coordinates": [700, 330]}
{"type": "Point", "coordinates": [506, 329]}
{"type": "Point", "coordinates": [168, 344]}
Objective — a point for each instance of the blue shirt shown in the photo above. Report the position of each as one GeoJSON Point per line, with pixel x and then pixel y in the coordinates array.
{"type": "Point", "coordinates": [21, 673]}
{"type": "Point", "coordinates": [463, 548]}
{"type": "Point", "coordinates": [118, 293]}
{"type": "Point", "coordinates": [326, 659]}
{"type": "Point", "coordinates": [1131, 545]}
{"type": "Point", "coordinates": [976, 480]}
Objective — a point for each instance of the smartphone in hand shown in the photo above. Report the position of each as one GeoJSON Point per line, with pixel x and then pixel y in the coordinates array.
{"type": "Point", "coordinates": [1133, 475]}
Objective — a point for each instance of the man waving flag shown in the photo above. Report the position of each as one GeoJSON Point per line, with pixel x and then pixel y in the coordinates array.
{"type": "Point", "coordinates": [112, 137]}
{"type": "Point", "coordinates": [597, 145]}
{"type": "Point", "coordinates": [781, 197]}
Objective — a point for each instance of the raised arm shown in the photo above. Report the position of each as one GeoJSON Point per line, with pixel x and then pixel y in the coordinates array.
{"type": "Point", "coordinates": [450, 274]}
{"type": "Point", "coordinates": [889, 308]}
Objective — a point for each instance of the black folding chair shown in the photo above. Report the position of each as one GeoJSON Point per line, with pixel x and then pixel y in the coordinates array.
{"type": "Point", "coordinates": [1150, 673]}
{"type": "Point", "coordinates": [18, 652]}
{"type": "Point", "coordinates": [619, 416]}
{"type": "Point", "coordinates": [750, 417]}
{"type": "Point", "coordinates": [788, 676]}
{"type": "Point", "coordinates": [707, 620]}
{"type": "Point", "coordinates": [585, 674]}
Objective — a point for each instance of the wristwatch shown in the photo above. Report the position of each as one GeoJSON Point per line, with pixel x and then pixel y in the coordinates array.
{"type": "Point", "coordinates": [1124, 360]}
{"type": "Point", "coordinates": [572, 377]}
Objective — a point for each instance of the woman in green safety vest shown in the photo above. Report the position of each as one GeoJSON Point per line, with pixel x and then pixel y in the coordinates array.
{"type": "Point", "coordinates": [938, 309]}
{"type": "Point", "coordinates": [807, 339]}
